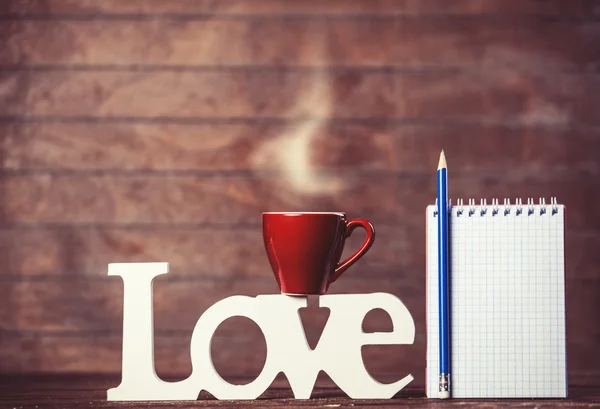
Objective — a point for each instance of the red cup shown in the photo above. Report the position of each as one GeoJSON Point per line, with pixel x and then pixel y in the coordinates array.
{"type": "Point", "coordinates": [304, 249]}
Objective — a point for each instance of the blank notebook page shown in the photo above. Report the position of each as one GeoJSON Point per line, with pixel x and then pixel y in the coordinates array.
{"type": "Point", "coordinates": [507, 295]}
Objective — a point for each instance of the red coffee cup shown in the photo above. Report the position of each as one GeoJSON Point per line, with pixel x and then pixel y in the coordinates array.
{"type": "Point", "coordinates": [304, 249]}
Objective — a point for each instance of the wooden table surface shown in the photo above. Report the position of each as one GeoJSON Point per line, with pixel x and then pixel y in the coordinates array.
{"type": "Point", "coordinates": [89, 391]}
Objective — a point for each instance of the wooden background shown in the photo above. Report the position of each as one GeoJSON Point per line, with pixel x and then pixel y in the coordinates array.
{"type": "Point", "coordinates": [160, 130]}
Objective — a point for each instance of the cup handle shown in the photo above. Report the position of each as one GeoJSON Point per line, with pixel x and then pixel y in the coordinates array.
{"type": "Point", "coordinates": [350, 226]}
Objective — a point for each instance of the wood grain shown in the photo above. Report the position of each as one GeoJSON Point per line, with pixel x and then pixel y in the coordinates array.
{"type": "Point", "coordinates": [238, 349]}
{"type": "Point", "coordinates": [253, 147]}
{"type": "Point", "coordinates": [72, 390]}
{"type": "Point", "coordinates": [497, 97]}
{"type": "Point", "coordinates": [65, 252]}
{"type": "Point", "coordinates": [452, 42]}
{"type": "Point", "coordinates": [237, 341]}
{"type": "Point", "coordinates": [310, 7]}
{"type": "Point", "coordinates": [229, 200]}
{"type": "Point", "coordinates": [147, 130]}
{"type": "Point", "coordinates": [582, 306]}
{"type": "Point", "coordinates": [96, 305]}
{"type": "Point", "coordinates": [233, 356]}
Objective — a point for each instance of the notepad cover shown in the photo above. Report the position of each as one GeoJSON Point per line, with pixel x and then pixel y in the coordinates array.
{"type": "Point", "coordinates": [507, 285]}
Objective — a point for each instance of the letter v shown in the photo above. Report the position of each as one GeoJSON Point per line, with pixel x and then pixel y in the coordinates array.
{"type": "Point", "coordinates": [313, 317]}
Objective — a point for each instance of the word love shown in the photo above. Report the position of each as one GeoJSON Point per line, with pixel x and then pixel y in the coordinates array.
{"type": "Point", "coordinates": [338, 352]}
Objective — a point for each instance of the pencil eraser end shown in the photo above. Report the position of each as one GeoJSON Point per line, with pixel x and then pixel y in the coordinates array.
{"type": "Point", "coordinates": [445, 395]}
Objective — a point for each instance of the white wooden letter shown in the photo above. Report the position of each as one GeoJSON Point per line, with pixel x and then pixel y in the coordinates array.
{"type": "Point", "coordinates": [338, 352]}
{"type": "Point", "coordinates": [345, 338]}
{"type": "Point", "coordinates": [139, 380]}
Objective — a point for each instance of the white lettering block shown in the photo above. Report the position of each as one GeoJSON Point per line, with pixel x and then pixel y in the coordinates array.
{"type": "Point", "coordinates": [338, 352]}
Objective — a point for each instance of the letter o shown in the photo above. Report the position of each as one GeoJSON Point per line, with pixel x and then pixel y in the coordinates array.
{"type": "Point", "coordinates": [203, 369]}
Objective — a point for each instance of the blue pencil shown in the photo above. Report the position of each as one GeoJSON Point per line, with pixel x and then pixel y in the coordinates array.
{"type": "Point", "coordinates": [443, 289]}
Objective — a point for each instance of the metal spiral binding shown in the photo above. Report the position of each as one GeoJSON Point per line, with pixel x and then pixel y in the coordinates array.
{"type": "Point", "coordinates": [530, 206]}
{"type": "Point", "coordinates": [495, 207]}
{"type": "Point", "coordinates": [459, 207]}
{"type": "Point", "coordinates": [471, 207]}
{"type": "Point", "coordinates": [507, 207]}
{"type": "Point", "coordinates": [542, 205]}
{"type": "Point", "coordinates": [554, 205]}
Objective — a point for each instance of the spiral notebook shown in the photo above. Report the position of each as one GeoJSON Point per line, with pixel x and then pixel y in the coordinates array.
{"type": "Point", "coordinates": [507, 296]}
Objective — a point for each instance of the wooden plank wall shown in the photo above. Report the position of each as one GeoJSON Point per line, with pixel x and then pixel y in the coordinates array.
{"type": "Point", "coordinates": [160, 130]}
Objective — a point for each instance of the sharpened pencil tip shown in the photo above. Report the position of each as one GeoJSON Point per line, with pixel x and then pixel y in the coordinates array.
{"type": "Point", "coordinates": [442, 162]}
